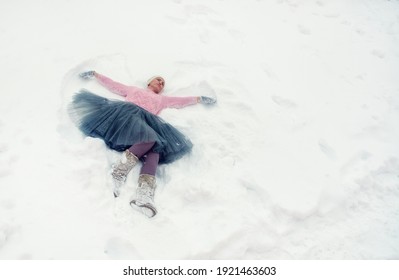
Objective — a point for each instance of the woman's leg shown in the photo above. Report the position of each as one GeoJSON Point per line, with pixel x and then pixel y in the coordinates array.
{"type": "Point", "coordinates": [144, 200]}
{"type": "Point", "coordinates": [141, 149]}
{"type": "Point", "coordinates": [151, 160]}
{"type": "Point", "coordinates": [150, 164]}
{"type": "Point", "coordinates": [129, 159]}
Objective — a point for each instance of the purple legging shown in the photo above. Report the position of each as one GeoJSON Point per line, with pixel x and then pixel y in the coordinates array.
{"type": "Point", "coordinates": [150, 159]}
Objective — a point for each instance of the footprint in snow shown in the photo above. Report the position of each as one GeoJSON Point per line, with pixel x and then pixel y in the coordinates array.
{"type": "Point", "coordinates": [6, 231]}
{"type": "Point", "coordinates": [283, 102]}
{"type": "Point", "coordinates": [327, 149]}
{"type": "Point", "coordinates": [304, 30]}
{"type": "Point", "coordinates": [7, 204]}
{"type": "Point", "coordinates": [378, 53]}
{"type": "Point", "coordinates": [269, 72]}
{"type": "Point", "coordinates": [7, 161]}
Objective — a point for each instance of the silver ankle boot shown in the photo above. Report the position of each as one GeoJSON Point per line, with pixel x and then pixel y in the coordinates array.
{"type": "Point", "coordinates": [144, 201]}
{"type": "Point", "coordinates": [121, 169]}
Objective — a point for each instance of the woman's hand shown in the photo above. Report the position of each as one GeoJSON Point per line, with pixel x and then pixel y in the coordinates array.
{"type": "Point", "coordinates": [87, 75]}
{"type": "Point", "coordinates": [206, 100]}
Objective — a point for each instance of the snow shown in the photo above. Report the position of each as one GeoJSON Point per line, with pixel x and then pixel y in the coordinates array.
{"type": "Point", "coordinates": [298, 160]}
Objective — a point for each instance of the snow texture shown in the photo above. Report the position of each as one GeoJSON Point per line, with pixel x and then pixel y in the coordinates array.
{"type": "Point", "coordinates": [299, 159]}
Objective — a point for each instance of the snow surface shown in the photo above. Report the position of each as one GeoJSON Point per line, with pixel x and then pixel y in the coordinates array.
{"type": "Point", "coordinates": [299, 159]}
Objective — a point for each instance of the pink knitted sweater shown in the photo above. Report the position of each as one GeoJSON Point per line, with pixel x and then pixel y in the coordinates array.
{"type": "Point", "coordinates": [145, 98]}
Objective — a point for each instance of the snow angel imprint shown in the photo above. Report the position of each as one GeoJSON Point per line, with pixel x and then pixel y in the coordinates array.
{"type": "Point", "coordinates": [133, 127]}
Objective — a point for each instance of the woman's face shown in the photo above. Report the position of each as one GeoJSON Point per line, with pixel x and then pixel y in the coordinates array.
{"type": "Point", "coordinates": [157, 84]}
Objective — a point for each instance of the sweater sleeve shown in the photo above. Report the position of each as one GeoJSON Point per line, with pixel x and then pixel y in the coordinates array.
{"type": "Point", "coordinates": [178, 102]}
{"type": "Point", "coordinates": [113, 86]}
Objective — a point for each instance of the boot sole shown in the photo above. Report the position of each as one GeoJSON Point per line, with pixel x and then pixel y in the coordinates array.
{"type": "Point", "coordinates": [147, 209]}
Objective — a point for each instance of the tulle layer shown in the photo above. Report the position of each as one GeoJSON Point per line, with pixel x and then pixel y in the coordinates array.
{"type": "Point", "coordinates": [121, 124]}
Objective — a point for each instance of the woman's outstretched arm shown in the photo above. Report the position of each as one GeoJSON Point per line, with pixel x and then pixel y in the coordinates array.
{"type": "Point", "coordinates": [111, 85]}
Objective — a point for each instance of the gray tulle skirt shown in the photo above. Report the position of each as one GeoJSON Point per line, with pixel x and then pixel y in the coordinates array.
{"type": "Point", "coordinates": [122, 124]}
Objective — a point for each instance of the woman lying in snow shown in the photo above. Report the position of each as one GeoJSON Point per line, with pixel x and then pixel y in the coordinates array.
{"type": "Point", "coordinates": [134, 128]}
